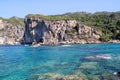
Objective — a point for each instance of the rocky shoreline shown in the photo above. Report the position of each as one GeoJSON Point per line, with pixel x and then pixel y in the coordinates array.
{"type": "Point", "coordinates": [46, 32]}
{"type": "Point", "coordinates": [62, 43]}
{"type": "Point", "coordinates": [58, 32]}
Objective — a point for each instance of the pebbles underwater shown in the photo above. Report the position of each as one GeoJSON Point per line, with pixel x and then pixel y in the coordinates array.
{"type": "Point", "coordinates": [74, 62]}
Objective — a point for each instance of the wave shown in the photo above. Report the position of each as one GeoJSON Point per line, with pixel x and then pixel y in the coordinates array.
{"type": "Point", "coordinates": [65, 45]}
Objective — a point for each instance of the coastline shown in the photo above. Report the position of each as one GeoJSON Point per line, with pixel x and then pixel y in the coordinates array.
{"type": "Point", "coordinates": [61, 43]}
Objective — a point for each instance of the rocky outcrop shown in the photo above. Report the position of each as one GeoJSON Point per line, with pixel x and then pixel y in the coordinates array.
{"type": "Point", "coordinates": [10, 34]}
{"type": "Point", "coordinates": [53, 76]}
{"type": "Point", "coordinates": [58, 32]}
{"type": "Point", "coordinates": [47, 32]}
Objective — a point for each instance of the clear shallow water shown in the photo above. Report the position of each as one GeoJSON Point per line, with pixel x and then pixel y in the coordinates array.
{"type": "Point", "coordinates": [19, 62]}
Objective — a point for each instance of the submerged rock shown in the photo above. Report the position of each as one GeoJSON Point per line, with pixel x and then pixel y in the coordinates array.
{"type": "Point", "coordinates": [88, 65]}
{"type": "Point", "coordinates": [99, 57]}
{"type": "Point", "coordinates": [117, 74]}
{"type": "Point", "coordinates": [109, 77]}
{"type": "Point", "coordinates": [53, 76]}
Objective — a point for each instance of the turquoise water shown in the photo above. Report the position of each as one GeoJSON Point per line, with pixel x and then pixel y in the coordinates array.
{"type": "Point", "coordinates": [19, 62]}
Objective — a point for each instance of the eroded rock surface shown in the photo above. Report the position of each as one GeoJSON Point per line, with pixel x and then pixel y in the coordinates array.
{"type": "Point", "coordinates": [53, 76]}
{"type": "Point", "coordinates": [10, 34]}
{"type": "Point", "coordinates": [58, 32]}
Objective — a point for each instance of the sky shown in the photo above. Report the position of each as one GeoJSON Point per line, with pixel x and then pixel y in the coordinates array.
{"type": "Point", "coordinates": [20, 8]}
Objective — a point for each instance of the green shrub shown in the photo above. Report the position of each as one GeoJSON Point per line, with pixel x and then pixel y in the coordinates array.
{"type": "Point", "coordinates": [104, 38]}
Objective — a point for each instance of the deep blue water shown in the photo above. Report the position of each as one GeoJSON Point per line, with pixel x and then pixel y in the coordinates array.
{"type": "Point", "coordinates": [19, 62]}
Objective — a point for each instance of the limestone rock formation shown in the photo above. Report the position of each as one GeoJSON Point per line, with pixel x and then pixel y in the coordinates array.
{"type": "Point", "coordinates": [10, 34]}
{"type": "Point", "coordinates": [58, 32]}
{"type": "Point", "coordinates": [53, 76]}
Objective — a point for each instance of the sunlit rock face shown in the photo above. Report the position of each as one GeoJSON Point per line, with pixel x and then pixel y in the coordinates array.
{"type": "Point", "coordinates": [58, 32]}
{"type": "Point", "coordinates": [10, 34]}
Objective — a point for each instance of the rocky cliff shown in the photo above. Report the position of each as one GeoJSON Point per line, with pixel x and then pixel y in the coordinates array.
{"type": "Point", "coordinates": [10, 34]}
{"type": "Point", "coordinates": [58, 32]}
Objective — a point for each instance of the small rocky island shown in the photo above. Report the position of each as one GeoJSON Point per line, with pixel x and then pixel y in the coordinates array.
{"type": "Point", "coordinates": [52, 30]}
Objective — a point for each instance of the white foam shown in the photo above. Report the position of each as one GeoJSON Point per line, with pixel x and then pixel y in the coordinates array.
{"type": "Point", "coordinates": [66, 45]}
{"type": "Point", "coordinates": [115, 73]}
{"type": "Point", "coordinates": [37, 45]}
{"type": "Point", "coordinates": [107, 57]}
{"type": "Point", "coordinates": [26, 45]}
{"type": "Point", "coordinates": [104, 57]}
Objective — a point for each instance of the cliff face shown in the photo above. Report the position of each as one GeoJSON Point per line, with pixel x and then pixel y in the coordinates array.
{"type": "Point", "coordinates": [58, 32]}
{"type": "Point", "coordinates": [10, 34]}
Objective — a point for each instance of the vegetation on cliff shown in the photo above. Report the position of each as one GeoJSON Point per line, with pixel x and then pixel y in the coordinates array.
{"type": "Point", "coordinates": [106, 22]}
{"type": "Point", "coordinates": [15, 21]}
{"type": "Point", "coordinates": [52, 17]}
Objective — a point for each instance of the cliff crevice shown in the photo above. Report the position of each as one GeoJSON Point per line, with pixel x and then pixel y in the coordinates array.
{"type": "Point", "coordinates": [58, 32]}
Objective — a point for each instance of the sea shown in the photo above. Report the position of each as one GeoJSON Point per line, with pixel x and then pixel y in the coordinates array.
{"type": "Point", "coordinates": [20, 62]}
